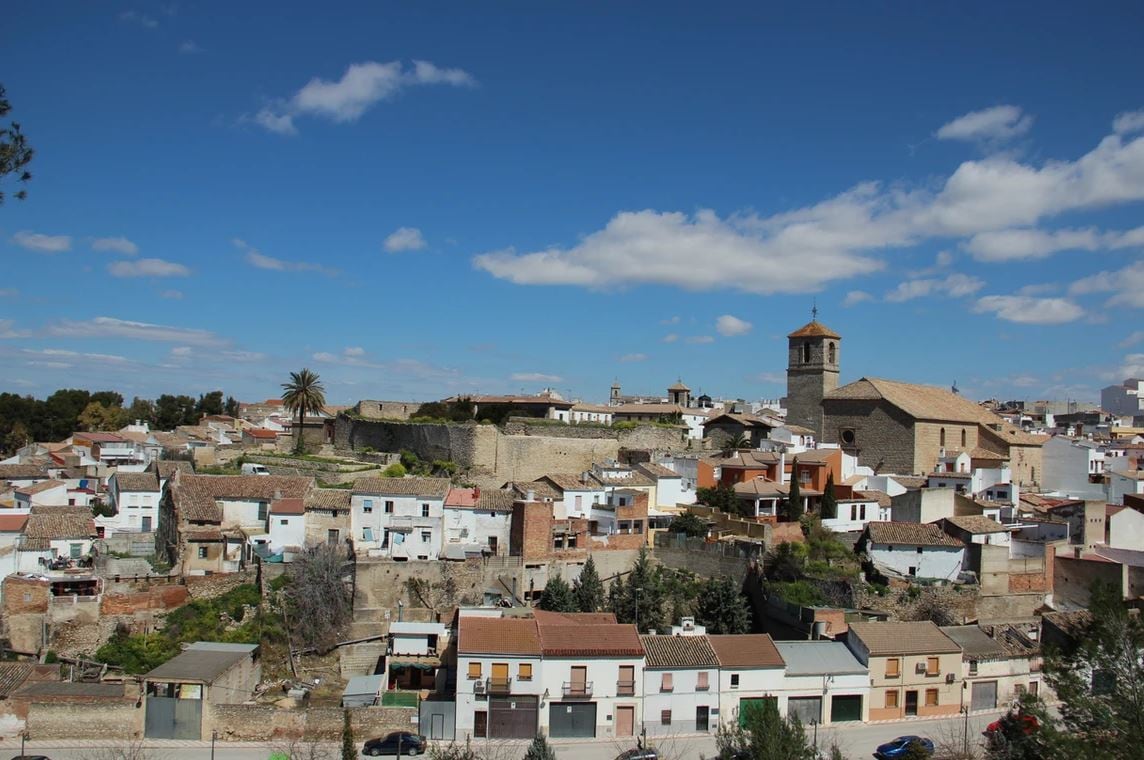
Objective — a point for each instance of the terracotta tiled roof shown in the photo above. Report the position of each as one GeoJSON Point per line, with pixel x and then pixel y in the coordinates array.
{"type": "Point", "coordinates": [200, 536]}
{"type": "Point", "coordinates": [260, 433]}
{"type": "Point", "coordinates": [648, 409]}
{"type": "Point", "coordinates": [746, 420]}
{"type": "Point", "coordinates": [541, 490]}
{"type": "Point", "coordinates": [910, 482]}
{"type": "Point", "coordinates": [657, 471]}
{"type": "Point", "coordinates": [748, 459]}
{"type": "Point", "coordinates": [43, 485]}
{"type": "Point", "coordinates": [881, 497]}
{"type": "Point", "coordinates": [814, 329]}
{"type": "Point", "coordinates": [481, 635]}
{"type": "Point", "coordinates": [679, 652]}
{"type": "Point", "coordinates": [99, 437]}
{"type": "Point", "coordinates": [799, 429]}
{"type": "Point", "coordinates": [427, 487]}
{"type": "Point", "coordinates": [977, 524]}
{"type": "Point", "coordinates": [287, 507]}
{"type": "Point", "coordinates": [910, 534]}
{"type": "Point", "coordinates": [196, 495]}
{"type": "Point", "coordinates": [756, 487]}
{"type": "Point", "coordinates": [895, 638]}
{"type": "Point", "coordinates": [137, 481]}
{"type": "Point", "coordinates": [22, 471]}
{"type": "Point", "coordinates": [12, 523]}
{"type": "Point", "coordinates": [815, 456]}
{"type": "Point", "coordinates": [950, 475]}
{"type": "Point", "coordinates": [568, 482]}
{"type": "Point", "coordinates": [923, 402]}
{"type": "Point", "coordinates": [60, 523]}
{"type": "Point", "coordinates": [13, 675]}
{"type": "Point", "coordinates": [633, 479]}
{"type": "Point", "coordinates": [748, 650]}
{"type": "Point", "coordinates": [495, 499]}
{"type": "Point", "coordinates": [544, 617]}
{"type": "Point", "coordinates": [980, 453]}
{"type": "Point", "coordinates": [590, 640]}
{"type": "Point", "coordinates": [328, 498]}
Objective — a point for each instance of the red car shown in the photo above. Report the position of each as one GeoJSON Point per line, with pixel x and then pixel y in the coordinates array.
{"type": "Point", "coordinates": [1028, 724]}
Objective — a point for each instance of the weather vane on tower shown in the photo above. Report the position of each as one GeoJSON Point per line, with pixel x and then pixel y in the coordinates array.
{"type": "Point", "coordinates": [814, 310]}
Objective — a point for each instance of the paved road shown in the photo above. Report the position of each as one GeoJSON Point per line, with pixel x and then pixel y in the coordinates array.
{"type": "Point", "coordinates": [857, 742]}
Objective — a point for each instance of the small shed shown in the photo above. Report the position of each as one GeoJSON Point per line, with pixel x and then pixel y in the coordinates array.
{"type": "Point", "coordinates": [208, 672]}
{"type": "Point", "coordinates": [363, 691]}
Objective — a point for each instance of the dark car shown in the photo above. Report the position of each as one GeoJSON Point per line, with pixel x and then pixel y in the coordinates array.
{"type": "Point", "coordinates": [30, 757]}
{"type": "Point", "coordinates": [638, 754]}
{"type": "Point", "coordinates": [410, 744]}
{"type": "Point", "coordinates": [902, 745]}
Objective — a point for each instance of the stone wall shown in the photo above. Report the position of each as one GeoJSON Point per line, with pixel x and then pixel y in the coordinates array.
{"type": "Point", "coordinates": [110, 719]}
{"type": "Point", "coordinates": [269, 723]}
{"type": "Point", "coordinates": [883, 434]}
{"type": "Point", "coordinates": [211, 586]}
{"type": "Point", "coordinates": [387, 410]}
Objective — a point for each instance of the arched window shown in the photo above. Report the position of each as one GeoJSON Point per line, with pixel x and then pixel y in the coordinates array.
{"type": "Point", "coordinates": [806, 353]}
{"type": "Point", "coordinates": [832, 354]}
{"type": "Point", "coordinates": [963, 438]}
{"type": "Point", "coordinates": [941, 438]}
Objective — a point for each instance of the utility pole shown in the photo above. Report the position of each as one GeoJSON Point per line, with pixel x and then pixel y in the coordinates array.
{"type": "Point", "coordinates": [214, 735]}
{"type": "Point", "coordinates": [965, 730]}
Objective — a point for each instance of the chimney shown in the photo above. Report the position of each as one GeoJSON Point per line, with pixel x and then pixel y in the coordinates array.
{"type": "Point", "coordinates": [530, 496]}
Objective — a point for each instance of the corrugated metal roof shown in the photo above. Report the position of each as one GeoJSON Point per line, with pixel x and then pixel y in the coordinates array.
{"type": "Point", "coordinates": [811, 658]}
{"type": "Point", "coordinates": [202, 661]}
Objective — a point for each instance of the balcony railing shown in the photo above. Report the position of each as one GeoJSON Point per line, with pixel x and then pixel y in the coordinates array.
{"type": "Point", "coordinates": [574, 689]}
{"type": "Point", "coordinates": [625, 688]}
{"type": "Point", "coordinates": [499, 685]}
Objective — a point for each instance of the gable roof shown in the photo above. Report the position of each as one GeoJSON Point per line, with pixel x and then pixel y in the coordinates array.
{"type": "Point", "coordinates": [974, 642]}
{"type": "Point", "coordinates": [23, 472]}
{"type": "Point", "coordinates": [545, 617]}
{"type": "Point", "coordinates": [287, 507]}
{"type": "Point", "coordinates": [572, 639]}
{"type": "Point", "coordinates": [747, 650]}
{"type": "Point", "coordinates": [923, 402]}
{"type": "Point", "coordinates": [897, 637]}
{"type": "Point", "coordinates": [976, 524]}
{"type": "Point", "coordinates": [679, 652]}
{"type": "Point", "coordinates": [814, 329]}
{"type": "Point", "coordinates": [328, 498]}
{"type": "Point", "coordinates": [43, 485]}
{"type": "Point", "coordinates": [482, 635]}
{"type": "Point", "coordinates": [657, 471]}
{"type": "Point", "coordinates": [910, 534]}
{"type": "Point", "coordinates": [197, 495]}
{"type": "Point", "coordinates": [13, 523]}
{"type": "Point", "coordinates": [426, 487]}
{"type": "Point", "coordinates": [136, 481]}
{"type": "Point", "coordinates": [59, 523]}
{"type": "Point", "coordinates": [565, 481]}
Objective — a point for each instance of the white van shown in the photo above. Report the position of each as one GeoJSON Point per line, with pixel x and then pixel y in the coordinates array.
{"type": "Point", "coordinates": [255, 469]}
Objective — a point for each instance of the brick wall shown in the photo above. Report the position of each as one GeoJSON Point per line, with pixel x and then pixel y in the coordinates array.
{"type": "Point", "coordinates": [165, 597]}
{"type": "Point", "coordinates": [530, 533]}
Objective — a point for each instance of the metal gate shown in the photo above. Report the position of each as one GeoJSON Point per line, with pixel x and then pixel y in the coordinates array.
{"type": "Point", "coordinates": [808, 709]}
{"type": "Point", "coordinates": [170, 718]}
{"type": "Point", "coordinates": [512, 717]}
{"type": "Point", "coordinates": [568, 720]}
{"type": "Point", "coordinates": [844, 707]}
{"type": "Point", "coordinates": [984, 695]}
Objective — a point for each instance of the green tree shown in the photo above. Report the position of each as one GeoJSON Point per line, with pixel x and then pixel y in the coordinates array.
{"type": "Point", "coordinates": [557, 596]}
{"type": "Point", "coordinates": [96, 416]}
{"type": "Point", "coordinates": [61, 411]}
{"type": "Point", "coordinates": [720, 497]}
{"type": "Point", "coordinates": [731, 445]}
{"type": "Point", "coordinates": [231, 406]}
{"type": "Point", "coordinates": [688, 524]}
{"type": "Point", "coordinates": [395, 470]}
{"type": "Point", "coordinates": [16, 438]}
{"type": "Point", "coordinates": [540, 749]}
{"type": "Point", "coordinates": [794, 507]}
{"type": "Point", "coordinates": [141, 409]}
{"type": "Point", "coordinates": [764, 735]}
{"type": "Point", "coordinates": [642, 593]}
{"type": "Point", "coordinates": [15, 153]}
{"type": "Point", "coordinates": [349, 746]}
{"type": "Point", "coordinates": [829, 506]}
{"type": "Point", "coordinates": [302, 395]}
{"type": "Point", "coordinates": [172, 411]}
{"type": "Point", "coordinates": [785, 562]}
{"type": "Point", "coordinates": [722, 608]}
{"type": "Point", "coordinates": [588, 588]}
{"type": "Point", "coordinates": [210, 403]}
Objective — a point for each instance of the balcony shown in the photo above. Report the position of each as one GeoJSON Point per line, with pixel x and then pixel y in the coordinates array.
{"type": "Point", "coordinates": [625, 688]}
{"type": "Point", "coordinates": [578, 689]}
{"type": "Point", "coordinates": [499, 685]}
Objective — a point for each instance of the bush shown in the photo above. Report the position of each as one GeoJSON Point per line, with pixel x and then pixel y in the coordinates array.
{"type": "Point", "coordinates": [395, 470]}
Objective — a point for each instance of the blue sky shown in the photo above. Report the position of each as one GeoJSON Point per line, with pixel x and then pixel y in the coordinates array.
{"type": "Point", "coordinates": [422, 199]}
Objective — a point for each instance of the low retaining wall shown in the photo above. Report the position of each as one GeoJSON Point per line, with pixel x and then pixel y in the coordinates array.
{"type": "Point", "coordinates": [269, 723]}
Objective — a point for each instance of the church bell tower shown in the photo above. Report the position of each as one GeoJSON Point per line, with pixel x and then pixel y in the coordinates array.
{"type": "Point", "coordinates": [812, 372]}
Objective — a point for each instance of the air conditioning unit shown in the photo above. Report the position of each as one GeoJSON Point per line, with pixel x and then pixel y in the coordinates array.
{"type": "Point", "coordinates": [479, 687]}
{"type": "Point", "coordinates": [920, 668]}
{"type": "Point", "coordinates": [949, 677]}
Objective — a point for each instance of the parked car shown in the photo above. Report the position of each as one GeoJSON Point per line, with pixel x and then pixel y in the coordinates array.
{"type": "Point", "coordinates": [900, 746]}
{"type": "Point", "coordinates": [638, 753]}
{"type": "Point", "coordinates": [30, 757]}
{"type": "Point", "coordinates": [1028, 723]}
{"type": "Point", "coordinates": [411, 744]}
{"type": "Point", "coordinates": [255, 469]}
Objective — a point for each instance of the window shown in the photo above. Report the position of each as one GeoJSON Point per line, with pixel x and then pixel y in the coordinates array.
{"type": "Point", "coordinates": [666, 682]}
{"type": "Point", "coordinates": [202, 552]}
{"type": "Point", "coordinates": [1034, 687]}
{"type": "Point", "coordinates": [862, 512]}
{"type": "Point", "coordinates": [919, 550]}
{"type": "Point", "coordinates": [524, 671]}
{"type": "Point", "coordinates": [426, 536]}
{"type": "Point", "coordinates": [892, 698]}
{"type": "Point", "coordinates": [283, 521]}
{"type": "Point", "coordinates": [963, 438]}
{"type": "Point", "coordinates": [475, 670]}
{"type": "Point", "coordinates": [806, 353]}
{"type": "Point", "coordinates": [424, 510]}
{"type": "Point", "coordinates": [262, 510]}
{"type": "Point", "coordinates": [368, 505]}
{"type": "Point", "coordinates": [973, 667]}
{"type": "Point", "coordinates": [389, 507]}
{"type": "Point", "coordinates": [893, 667]}
{"type": "Point", "coordinates": [701, 681]}
{"type": "Point", "coordinates": [76, 550]}
{"type": "Point", "coordinates": [931, 697]}
{"type": "Point", "coordinates": [941, 438]}
{"type": "Point", "coordinates": [833, 353]}
{"type": "Point", "coordinates": [626, 686]}
{"type": "Point", "coordinates": [579, 500]}
{"type": "Point", "coordinates": [847, 437]}
{"type": "Point", "coordinates": [734, 680]}
{"type": "Point", "coordinates": [665, 717]}
{"type": "Point", "coordinates": [367, 510]}
{"type": "Point", "coordinates": [1019, 689]}
{"type": "Point", "coordinates": [367, 534]}
{"type": "Point", "coordinates": [933, 666]}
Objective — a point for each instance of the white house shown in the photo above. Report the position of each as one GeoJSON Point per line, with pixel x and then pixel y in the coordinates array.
{"type": "Point", "coordinates": [590, 413]}
{"type": "Point", "coordinates": [498, 676]}
{"type": "Point", "coordinates": [44, 493]}
{"type": "Point", "coordinates": [999, 663]}
{"type": "Point", "coordinates": [916, 550]}
{"type": "Point", "coordinates": [11, 530]}
{"type": "Point", "coordinates": [579, 493]}
{"type": "Point", "coordinates": [669, 491]}
{"type": "Point", "coordinates": [287, 524]}
{"type": "Point", "coordinates": [1073, 468]}
{"type": "Point", "coordinates": [854, 513]}
{"type": "Point", "coordinates": [824, 682]}
{"type": "Point", "coordinates": [57, 533]}
{"type": "Point", "coordinates": [135, 497]}
{"type": "Point", "coordinates": [1123, 483]}
{"type": "Point", "coordinates": [751, 670]}
{"type": "Point", "coordinates": [400, 518]}
{"type": "Point", "coordinates": [476, 522]}
{"type": "Point", "coordinates": [1125, 528]}
{"type": "Point", "coordinates": [680, 685]}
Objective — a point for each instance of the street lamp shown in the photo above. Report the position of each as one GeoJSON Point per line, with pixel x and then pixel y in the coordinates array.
{"type": "Point", "coordinates": [23, 736]}
{"type": "Point", "coordinates": [214, 735]}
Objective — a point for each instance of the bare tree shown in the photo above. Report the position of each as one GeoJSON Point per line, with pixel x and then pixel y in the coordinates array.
{"type": "Point", "coordinates": [131, 748]}
{"type": "Point", "coordinates": [302, 748]}
{"type": "Point", "coordinates": [318, 597]}
{"type": "Point", "coordinates": [436, 596]}
{"type": "Point", "coordinates": [482, 750]}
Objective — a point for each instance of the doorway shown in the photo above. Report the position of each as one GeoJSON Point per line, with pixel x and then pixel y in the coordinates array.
{"type": "Point", "coordinates": [702, 717]}
{"type": "Point", "coordinates": [625, 720]}
{"type": "Point", "coordinates": [911, 703]}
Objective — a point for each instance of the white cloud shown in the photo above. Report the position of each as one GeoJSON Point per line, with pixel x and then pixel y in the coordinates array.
{"type": "Point", "coordinates": [8, 330]}
{"type": "Point", "coordinates": [134, 17]}
{"type": "Point", "coordinates": [996, 124]}
{"type": "Point", "coordinates": [257, 259]}
{"type": "Point", "coordinates": [182, 351]}
{"type": "Point", "coordinates": [354, 351]}
{"type": "Point", "coordinates": [670, 320]}
{"type": "Point", "coordinates": [110, 327]}
{"type": "Point", "coordinates": [243, 356]}
{"type": "Point", "coordinates": [855, 297]}
{"type": "Point", "coordinates": [670, 338]}
{"type": "Point", "coordinates": [1133, 366]}
{"type": "Point", "coordinates": [1029, 310]}
{"type": "Point", "coordinates": [147, 268]}
{"type": "Point", "coordinates": [404, 239]}
{"type": "Point", "coordinates": [115, 245]}
{"type": "Point", "coordinates": [701, 339]}
{"type": "Point", "coordinates": [56, 354]}
{"type": "Point", "coordinates": [774, 378]}
{"type": "Point", "coordinates": [628, 358]}
{"type": "Point", "coordinates": [362, 86]}
{"type": "Point", "coordinates": [189, 47]}
{"type": "Point", "coordinates": [534, 377]}
{"type": "Point", "coordinates": [35, 241]}
{"type": "Point", "coordinates": [729, 325]}
{"type": "Point", "coordinates": [955, 286]}
{"type": "Point", "coordinates": [1012, 244]}
{"type": "Point", "coordinates": [1128, 122]}
{"type": "Point", "coordinates": [1132, 339]}
{"type": "Point", "coordinates": [1040, 289]}
{"type": "Point", "coordinates": [1126, 285]}
{"type": "Point", "coordinates": [174, 295]}
{"type": "Point", "coordinates": [837, 239]}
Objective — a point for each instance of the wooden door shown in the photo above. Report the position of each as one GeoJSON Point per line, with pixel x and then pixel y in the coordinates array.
{"type": "Point", "coordinates": [911, 703]}
{"type": "Point", "coordinates": [625, 720]}
{"type": "Point", "coordinates": [480, 724]}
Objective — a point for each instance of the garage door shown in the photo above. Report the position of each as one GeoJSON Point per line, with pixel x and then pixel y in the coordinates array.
{"type": "Point", "coordinates": [985, 695]}
{"type": "Point", "coordinates": [844, 707]}
{"type": "Point", "coordinates": [572, 720]}
{"type": "Point", "coordinates": [808, 709]}
{"type": "Point", "coordinates": [512, 717]}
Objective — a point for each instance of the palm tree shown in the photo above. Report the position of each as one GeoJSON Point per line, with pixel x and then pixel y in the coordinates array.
{"type": "Point", "coordinates": [731, 445]}
{"type": "Point", "coordinates": [304, 393]}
